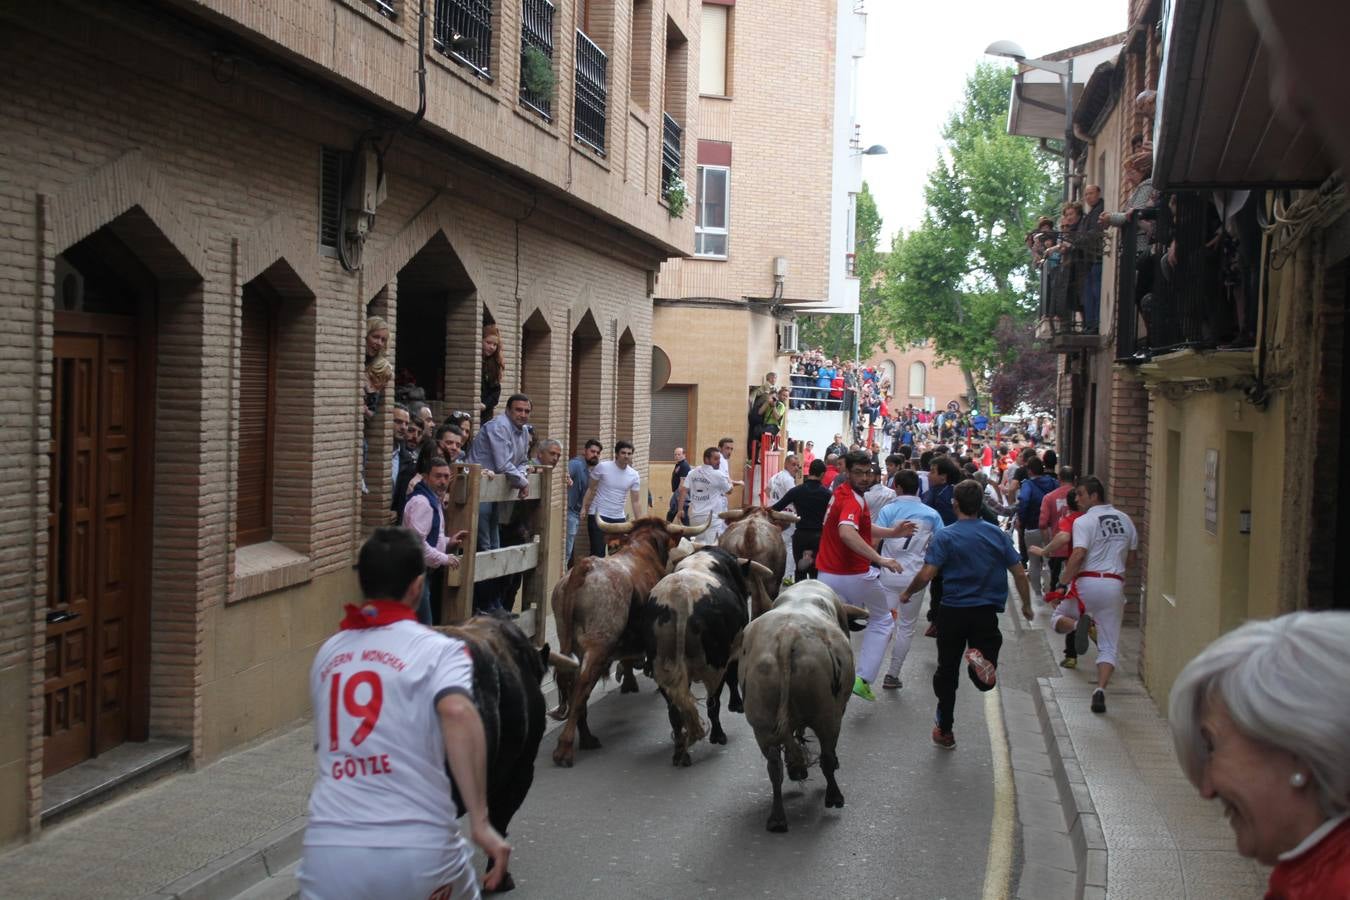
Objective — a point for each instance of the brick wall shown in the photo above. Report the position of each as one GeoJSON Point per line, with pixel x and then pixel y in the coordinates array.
{"type": "Point", "coordinates": [210, 179]}
{"type": "Point", "coordinates": [1127, 476]}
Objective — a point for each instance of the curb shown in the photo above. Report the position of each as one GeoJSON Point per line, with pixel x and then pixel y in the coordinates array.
{"type": "Point", "coordinates": [1085, 828]}
{"type": "Point", "coordinates": [236, 872]}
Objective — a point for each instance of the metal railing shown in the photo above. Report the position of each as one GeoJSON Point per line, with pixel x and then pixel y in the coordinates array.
{"type": "Point", "coordinates": [383, 7]}
{"type": "Point", "coordinates": [1065, 280]}
{"type": "Point", "coordinates": [671, 135]}
{"type": "Point", "coordinates": [806, 394]}
{"type": "Point", "coordinates": [536, 33]}
{"type": "Point", "coordinates": [463, 32]}
{"type": "Point", "coordinates": [592, 69]}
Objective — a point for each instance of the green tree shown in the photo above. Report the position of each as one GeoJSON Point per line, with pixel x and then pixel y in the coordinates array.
{"type": "Point", "coordinates": [833, 333]}
{"type": "Point", "coordinates": [966, 268]}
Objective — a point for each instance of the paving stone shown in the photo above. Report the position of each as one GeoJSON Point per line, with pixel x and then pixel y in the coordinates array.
{"type": "Point", "coordinates": [1039, 882]}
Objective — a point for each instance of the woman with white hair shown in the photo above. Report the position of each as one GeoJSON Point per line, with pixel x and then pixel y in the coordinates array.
{"type": "Point", "coordinates": [1261, 721]}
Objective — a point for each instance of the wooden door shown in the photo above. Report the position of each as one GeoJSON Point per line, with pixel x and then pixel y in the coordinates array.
{"type": "Point", "coordinates": [92, 559]}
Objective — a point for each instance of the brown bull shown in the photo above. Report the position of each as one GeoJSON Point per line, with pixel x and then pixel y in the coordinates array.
{"type": "Point", "coordinates": [757, 533]}
{"type": "Point", "coordinates": [592, 608]}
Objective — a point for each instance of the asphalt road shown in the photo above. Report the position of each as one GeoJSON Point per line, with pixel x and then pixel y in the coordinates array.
{"type": "Point", "coordinates": [625, 823]}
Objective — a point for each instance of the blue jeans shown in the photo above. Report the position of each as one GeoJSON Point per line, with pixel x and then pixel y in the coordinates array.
{"type": "Point", "coordinates": [573, 523]}
{"type": "Point", "coordinates": [424, 607]}
{"type": "Point", "coordinates": [489, 538]}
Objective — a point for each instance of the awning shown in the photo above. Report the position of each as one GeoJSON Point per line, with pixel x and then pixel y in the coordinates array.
{"type": "Point", "coordinates": [1037, 107]}
{"type": "Point", "coordinates": [1217, 126]}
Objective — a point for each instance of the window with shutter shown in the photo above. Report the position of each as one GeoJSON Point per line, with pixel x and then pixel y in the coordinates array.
{"type": "Point", "coordinates": [670, 423]}
{"type": "Point", "coordinates": [330, 200]}
{"type": "Point", "coordinates": [257, 417]}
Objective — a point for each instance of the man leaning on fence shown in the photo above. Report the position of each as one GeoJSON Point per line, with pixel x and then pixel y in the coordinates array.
{"type": "Point", "coordinates": [502, 448]}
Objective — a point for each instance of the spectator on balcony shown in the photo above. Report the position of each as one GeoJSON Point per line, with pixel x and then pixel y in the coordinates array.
{"type": "Point", "coordinates": [490, 381]}
{"type": "Point", "coordinates": [1040, 239]}
{"type": "Point", "coordinates": [464, 422]}
{"type": "Point", "coordinates": [1088, 244]}
{"type": "Point", "coordinates": [775, 416]}
{"type": "Point", "coordinates": [1062, 277]}
{"type": "Point", "coordinates": [502, 449]}
{"type": "Point", "coordinates": [450, 443]}
{"type": "Point", "coordinates": [402, 455]}
{"type": "Point", "coordinates": [824, 379]}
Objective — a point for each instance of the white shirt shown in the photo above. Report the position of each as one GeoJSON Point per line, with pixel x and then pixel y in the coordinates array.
{"type": "Point", "coordinates": [877, 496]}
{"type": "Point", "coordinates": [707, 489]}
{"type": "Point", "coordinates": [381, 755]}
{"type": "Point", "coordinates": [724, 467]}
{"type": "Point", "coordinates": [1109, 536]}
{"type": "Point", "coordinates": [612, 486]}
{"type": "Point", "coordinates": [780, 484]}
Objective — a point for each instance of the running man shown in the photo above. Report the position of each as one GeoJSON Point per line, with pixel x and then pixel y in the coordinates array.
{"type": "Point", "coordinates": [704, 490]}
{"type": "Point", "coordinates": [909, 552]}
{"type": "Point", "coordinates": [393, 706]}
{"type": "Point", "coordinates": [849, 565]}
{"type": "Point", "coordinates": [1104, 544]}
{"type": "Point", "coordinates": [974, 558]}
{"type": "Point", "coordinates": [810, 500]}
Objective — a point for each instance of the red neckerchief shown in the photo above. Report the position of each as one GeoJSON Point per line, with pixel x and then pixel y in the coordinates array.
{"type": "Point", "coordinates": [375, 613]}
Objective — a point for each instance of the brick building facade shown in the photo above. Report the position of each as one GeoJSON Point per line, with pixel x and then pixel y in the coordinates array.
{"type": "Point", "coordinates": [170, 172]}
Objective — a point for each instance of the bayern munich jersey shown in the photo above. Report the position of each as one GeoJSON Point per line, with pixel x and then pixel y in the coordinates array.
{"type": "Point", "coordinates": [908, 551]}
{"type": "Point", "coordinates": [382, 778]}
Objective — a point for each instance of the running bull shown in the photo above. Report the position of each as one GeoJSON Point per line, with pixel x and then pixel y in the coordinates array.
{"type": "Point", "coordinates": [507, 671]}
{"type": "Point", "coordinates": [692, 628]}
{"type": "Point", "coordinates": [593, 608]}
{"type": "Point", "coordinates": [797, 672]}
{"type": "Point", "coordinates": [757, 533]}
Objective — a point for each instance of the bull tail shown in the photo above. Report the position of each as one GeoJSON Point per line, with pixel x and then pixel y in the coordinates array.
{"type": "Point", "coordinates": [675, 679]}
{"type": "Point", "coordinates": [783, 720]}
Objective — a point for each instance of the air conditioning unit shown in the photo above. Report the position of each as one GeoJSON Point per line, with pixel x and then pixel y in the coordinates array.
{"type": "Point", "coordinates": [787, 337]}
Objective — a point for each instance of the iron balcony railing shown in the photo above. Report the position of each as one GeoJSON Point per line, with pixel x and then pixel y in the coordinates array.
{"type": "Point", "coordinates": [463, 32]}
{"type": "Point", "coordinates": [671, 136]}
{"type": "Point", "coordinates": [1066, 276]}
{"type": "Point", "coordinates": [383, 7]}
{"type": "Point", "coordinates": [536, 36]}
{"type": "Point", "coordinates": [592, 68]}
{"type": "Point", "coordinates": [1191, 280]}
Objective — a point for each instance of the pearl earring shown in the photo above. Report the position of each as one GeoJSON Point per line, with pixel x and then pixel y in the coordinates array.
{"type": "Point", "coordinates": [1298, 779]}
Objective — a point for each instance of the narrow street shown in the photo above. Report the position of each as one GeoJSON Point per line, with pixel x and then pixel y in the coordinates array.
{"type": "Point", "coordinates": [917, 820]}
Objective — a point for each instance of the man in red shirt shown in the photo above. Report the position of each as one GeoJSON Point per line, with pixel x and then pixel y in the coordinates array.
{"type": "Point", "coordinates": [846, 561]}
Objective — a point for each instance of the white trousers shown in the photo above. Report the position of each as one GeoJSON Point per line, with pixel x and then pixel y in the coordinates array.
{"type": "Point", "coordinates": [1104, 600]}
{"type": "Point", "coordinates": [715, 529]}
{"type": "Point", "coordinates": [1036, 566]}
{"type": "Point", "coordinates": [865, 590]}
{"type": "Point", "coordinates": [386, 873]}
{"type": "Point", "coordinates": [906, 616]}
{"type": "Point", "coordinates": [790, 570]}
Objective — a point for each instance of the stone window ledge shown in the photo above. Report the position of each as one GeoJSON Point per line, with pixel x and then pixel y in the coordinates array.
{"type": "Point", "coordinates": [266, 567]}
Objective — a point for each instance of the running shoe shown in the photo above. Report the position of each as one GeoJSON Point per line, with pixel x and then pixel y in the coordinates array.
{"type": "Point", "coordinates": [944, 739]}
{"type": "Point", "coordinates": [863, 689]}
{"type": "Point", "coordinates": [931, 631]}
{"type": "Point", "coordinates": [891, 683]}
{"type": "Point", "coordinates": [1069, 662]}
{"type": "Point", "coordinates": [1099, 701]}
{"type": "Point", "coordinates": [1080, 634]}
{"type": "Point", "coordinates": [984, 670]}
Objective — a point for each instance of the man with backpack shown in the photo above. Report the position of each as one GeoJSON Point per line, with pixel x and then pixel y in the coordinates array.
{"type": "Point", "coordinates": [1029, 496]}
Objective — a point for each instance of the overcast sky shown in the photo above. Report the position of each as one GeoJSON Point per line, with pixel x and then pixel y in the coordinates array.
{"type": "Point", "coordinates": [914, 72]}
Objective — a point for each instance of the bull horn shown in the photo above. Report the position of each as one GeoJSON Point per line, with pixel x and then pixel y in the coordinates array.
{"type": "Point", "coordinates": [558, 661]}
{"type": "Point", "coordinates": [731, 515]}
{"type": "Point", "coordinates": [614, 527]}
{"type": "Point", "coordinates": [855, 612]}
{"type": "Point", "coordinates": [686, 530]}
{"type": "Point", "coordinates": [760, 569]}
{"type": "Point", "coordinates": [785, 517]}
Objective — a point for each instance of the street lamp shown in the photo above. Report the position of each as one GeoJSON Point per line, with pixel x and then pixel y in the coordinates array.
{"type": "Point", "coordinates": [1011, 50]}
{"type": "Point", "coordinates": [874, 150]}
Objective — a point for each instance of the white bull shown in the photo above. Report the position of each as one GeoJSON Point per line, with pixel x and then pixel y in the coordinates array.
{"type": "Point", "coordinates": [796, 671]}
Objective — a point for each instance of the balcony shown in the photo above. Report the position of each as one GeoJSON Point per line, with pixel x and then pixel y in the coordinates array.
{"type": "Point", "coordinates": [1190, 284]}
{"type": "Point", "coordinates": [1067, 280]}
{"type": "Point", "coordinates": [671, 136]}
{"type": "Point", "coordinates": [592, 69]}
{"type": "Point", "coordinates": [536, 40]}
{"type": "Point", "coordinates": [463, 31]}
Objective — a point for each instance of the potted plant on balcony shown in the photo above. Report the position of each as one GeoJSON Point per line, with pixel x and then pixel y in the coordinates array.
{"type": "Point", "coordinates": [676, 195]}
{"type": "Point", "coordinates": [536, 73]}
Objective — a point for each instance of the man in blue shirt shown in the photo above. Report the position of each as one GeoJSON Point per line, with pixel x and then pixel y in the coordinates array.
{"type": "Point", "coordinates": [973, 557]}
{"type": "Point", "coordinates": [502, 448]}
{"type": "Point", "coordinates": [578, 480]}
